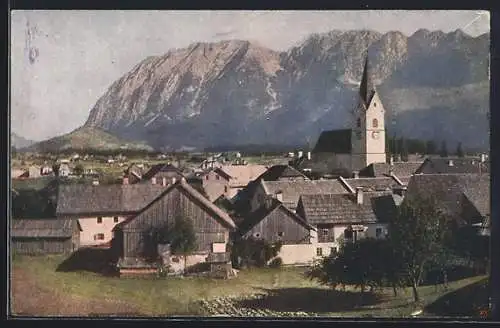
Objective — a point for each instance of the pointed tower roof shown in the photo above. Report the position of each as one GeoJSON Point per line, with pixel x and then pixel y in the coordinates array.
{"type": "Point", "coordinates": [367, 87]}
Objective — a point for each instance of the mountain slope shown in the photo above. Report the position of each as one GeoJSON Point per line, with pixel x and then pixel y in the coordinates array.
{"type": "Point", "coordinates": [236, 92]}
{"type": "Point", "coordinates": [84, 139]}
{"type": "Point", "coordinates": [19, 142]}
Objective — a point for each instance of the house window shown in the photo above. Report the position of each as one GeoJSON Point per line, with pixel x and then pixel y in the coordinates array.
{"type": "Point", "coordinates": [375, 123]}
{"type": "Point", "coordinates": [348, 234]}
{"type": "Point", "coordinates": [374, 104]}
{"type": "Point", "coordinates": [358, 122]}
{"type": "Point", "coordinates": [225, 188]}
{"type": "Point", "coordinates": [206, 178]}
{"type": "Point", "coordinates": [378, 232]}
{"type": "Point", "coordinates": [333, 250]}
{"type": "Point", "coordinates": [99, 219]}
{"type": "Point", "coordinates": [319, 251]}
{"type": "Point", "coordinates": [256, 235]}
{"type": "Point", "coordinates": [281, 234]}
{"type": "Point", "coordinates": [115, 219]}
{"type": "Point", "coordinates": [99, 236]}
{"type": "Point", "coordinates": [325, 232]}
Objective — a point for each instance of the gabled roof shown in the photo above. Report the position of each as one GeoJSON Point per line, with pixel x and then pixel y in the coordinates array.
{"type": "Point", "coordinates": [161, 168]}
{"type": "Point", "coordinates": [292, 190]}
{"type": "Point", "coordinates": [199, 198]}
{"type": "Point", "coordinates": [43, 228]}
{"type": "Point", "coordinates": [334, 141]}
{"type": "Point", "coordinates": [79, 199]}
{"type": "Point", "coordinates": [343, 208]}
{"type": "Point", "coordinates": [399, 169]}
{"type": "Point", "coordinates": [450, 191]}
{"type": "Point", "coordinates": [241, 175]}
{"type": "Point", "coordinates": [457, 166]}
{"type": "Point", "coordinates": [261, 213]}
{"type": "Point", "coordinates": [276, 172]}
{"type": "Point", "coordinates": [373, 184]}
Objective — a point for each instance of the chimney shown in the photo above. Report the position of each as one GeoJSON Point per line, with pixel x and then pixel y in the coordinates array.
{"type": "Point", "coordinates": [125, 180]}
{"type": "Point", "coordinates": [95, 182]}
{"type": "Point", "coordinates": [164, 181]}
{"type": "Point", "coordinates": [309, 155]}
{"type": "Point", "coordinates": [173, 180]}
{"type": "Point", "coordinates": [483, 158]}
{"type": "Point", "coordinates": [153, 180]}
{"type": "Point", "coordinates": [359, 195]}
{"type": "Point", "coordinates": [300, 154]}
{"type": "Point", "coordinates": [450, 162]}
{"type": "Point", "coordinates": [356, 174]}
{"type": "Point", "coordinates": [279, 196]}
{"type": "Point", "coordinates": [391, 160]}
{"type": "Point", "coordinates": [183, 179]}
{"type": "Point", "coordinates": [400, 190]}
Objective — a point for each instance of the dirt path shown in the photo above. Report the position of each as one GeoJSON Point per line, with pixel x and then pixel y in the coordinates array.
{"type": "Point", "coordinates": [30, 299]}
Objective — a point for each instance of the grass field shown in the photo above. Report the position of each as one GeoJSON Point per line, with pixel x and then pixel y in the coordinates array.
{"type": "Point", "coordinates": [37, 289]}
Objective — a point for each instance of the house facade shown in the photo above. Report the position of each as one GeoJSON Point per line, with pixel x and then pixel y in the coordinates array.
{"type": "Point", "coordinates": [340, 218]}
{"type": "Point", "coordinates": [98, 208]}
{"type": "Point", "coordinates": [212, 228]}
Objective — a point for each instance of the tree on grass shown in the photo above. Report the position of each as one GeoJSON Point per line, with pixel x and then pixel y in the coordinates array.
{"type": "Point", "coordinates": [78, 170]}
{"type": "Point", "coordinates": [182, 238]}
{"type": "Point", "coordinates": [417, 237]}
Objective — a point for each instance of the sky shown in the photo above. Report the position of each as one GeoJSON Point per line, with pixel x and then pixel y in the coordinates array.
{"type": "Point", "coordinates": [63, 61]}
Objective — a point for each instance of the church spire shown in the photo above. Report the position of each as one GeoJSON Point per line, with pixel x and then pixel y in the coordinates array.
{"type": "Point", "coordinates": [367, 88]}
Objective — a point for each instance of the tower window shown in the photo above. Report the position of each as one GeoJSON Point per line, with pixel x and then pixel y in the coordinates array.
{"type": "Point", "coordinates": [358, 122]}
{"type": "Point", "coordinates": [375, 123]}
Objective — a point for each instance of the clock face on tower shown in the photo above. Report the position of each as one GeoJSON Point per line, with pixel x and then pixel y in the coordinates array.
{"type": "Point", "coordinates": [375, 135]}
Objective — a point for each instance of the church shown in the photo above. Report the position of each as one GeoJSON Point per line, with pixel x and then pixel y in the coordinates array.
{"type": "Point", "coordinates": [364, 143]}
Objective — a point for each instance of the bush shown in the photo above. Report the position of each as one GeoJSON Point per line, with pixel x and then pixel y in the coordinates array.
{"type": "Point", "coordinates": [276, 263]}
{"type": "Point", "coordinates": [163, 271]}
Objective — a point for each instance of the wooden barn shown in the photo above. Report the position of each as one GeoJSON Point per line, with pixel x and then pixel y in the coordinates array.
{"type": "Point", "coordinates": [212, 227]}
{"type": "Point", "coordinates": [274, 222]}
{"type": "Point", "coordinates": [45, 236]}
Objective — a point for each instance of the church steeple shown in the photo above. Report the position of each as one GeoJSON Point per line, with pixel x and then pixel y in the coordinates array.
{"type": "Point", "coordinates": [367, 87]}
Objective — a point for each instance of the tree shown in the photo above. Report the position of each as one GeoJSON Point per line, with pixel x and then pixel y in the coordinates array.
{"type": "Point", "coordinates": [430, 147]}
{"type": "Point", "coordinates": [460, 152]}
{"type": "Point", "coordinates": [362, 264]}
{"type": "Point", "coordinates": [417, 237]}
{"type": "Point", "coordinates": [248, 252]}
{"type": "Point", "coordinates": [404, 150]}
{"type": "Point", "coordinates": [78, 170]}
{"type": "Point", "coordinates": [182, 238]}
{"type": "Point", "coordinates": [443, 152]}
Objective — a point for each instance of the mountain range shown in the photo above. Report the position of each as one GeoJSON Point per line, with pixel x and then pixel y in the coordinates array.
{"type": "Point", "coordinates": [434, 85]}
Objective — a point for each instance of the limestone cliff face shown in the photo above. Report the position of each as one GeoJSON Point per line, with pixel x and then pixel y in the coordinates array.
{"type": "Point", "coordinates": [237, 92]}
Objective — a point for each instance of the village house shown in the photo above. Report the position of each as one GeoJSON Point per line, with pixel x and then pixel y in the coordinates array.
{"type": "Point", "coordinates": [228, 180]}
{"type": "Point", "coordinates": [341, 218]}
{"type": "Point", "coordinates": [211, 224]}
{"type": "Point", "coordinates": [274, 222]}
{"type": "Point", "coordinates": [282, 173]}
{"type": "Point", "coordinates": [453, 165]}
{"type": "Point", "coordinates": [18, 173]}
{"type": "Point", "coordinates": [464, 198]}
{"type": "Point", "coordinates": [134, 173]}
{"type": "Point", "coordinates": [98, 208]}
{"type": "Point", "coordinates": [162, 174]}
{"type": "Point", "coordinates": [289, 192]}
{"type": "Point", "coordinates": [64, 170]}
{"type": "Point", "coordinates": [34, 171]}
{"type": "Point", "coordinates": [44, 236]}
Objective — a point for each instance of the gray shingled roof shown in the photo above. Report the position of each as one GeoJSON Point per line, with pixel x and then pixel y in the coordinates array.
{"type": "Point", "coordinates": [460, 166]}
{"type": "Point", "coordinates": [276, 172]}
{"type": "Point", "coordinates": [334, 141]}
{"type": "Point", "coordinates": [42, 228]}
{"type": "Point", "coordinates": [373, 184]}
{"type": "Point", "coordinates": [202, 200]}
{"type": "Point", "coordinates": [450, 190]}
{"type": "Point", "coordinates": [78, 199]}
{"type": "Point", "coordinates": [292, 190]}
{"type": "Point", "coordinates": [399, 169]}
{"type": "Point", "coordinates": [343, 208]}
